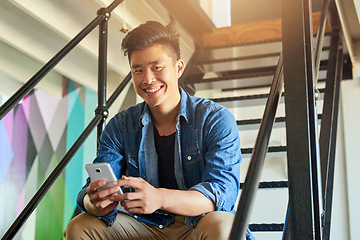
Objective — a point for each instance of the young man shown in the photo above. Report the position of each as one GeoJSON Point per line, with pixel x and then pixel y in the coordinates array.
{"type": "Point", "coordinates": [181, 154]}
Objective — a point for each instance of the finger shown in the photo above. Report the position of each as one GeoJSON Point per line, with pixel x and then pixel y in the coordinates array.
{"type": "Point", "coordinates": [130, 196]}
{"type": "Point", "coordinates": [95, 185]}
{"type": "Point", "coordinates": [135, 210]}
{"type": "Point", "coordinates": [108, 192]}
{"type": "Point", "coordinates": [136, 183]}
{"type": "Point", "coordinates": [131, 204]}
{"type": "Point", "coordinates": [111, 206]}
{"type": "Point", "coordinates": [104, 204]}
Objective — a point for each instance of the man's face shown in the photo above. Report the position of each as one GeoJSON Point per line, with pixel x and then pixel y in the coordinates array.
{"type": "Point", "coordinates": [155, 76]}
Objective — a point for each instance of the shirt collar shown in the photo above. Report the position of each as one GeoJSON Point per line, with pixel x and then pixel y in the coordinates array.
{"type": "Point", "coordinates": [183, 112]}
{"type": "Point", "coordinates": [145, 118]}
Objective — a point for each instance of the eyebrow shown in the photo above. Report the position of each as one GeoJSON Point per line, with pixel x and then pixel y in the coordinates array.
{"type": "Point", "coordinates": [149, 63]}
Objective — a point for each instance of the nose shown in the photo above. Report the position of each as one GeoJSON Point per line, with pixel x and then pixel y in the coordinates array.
{"type": "Point", "coordinates": [149, 77]}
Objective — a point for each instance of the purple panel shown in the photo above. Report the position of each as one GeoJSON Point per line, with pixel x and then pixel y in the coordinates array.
{"type": "Point", "coordinates": [6, 152]}
{"type": "Point", "coordinates": [36, 123]}
{"type": "Point", "coordinates": [8, 123]}
{"type": "Point", "coordinates": [17, 173]}
{"type": "Point", "coordinates": [26, 105]}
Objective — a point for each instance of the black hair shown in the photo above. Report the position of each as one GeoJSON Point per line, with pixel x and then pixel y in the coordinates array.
{"type": "Point", "coordinates": [149, 33]}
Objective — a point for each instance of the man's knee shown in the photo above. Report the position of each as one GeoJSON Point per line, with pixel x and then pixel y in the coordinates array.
{"type": "Point", "coordinates": [215, 225]}
{"type": "Point", "coordinates": [80, 225]}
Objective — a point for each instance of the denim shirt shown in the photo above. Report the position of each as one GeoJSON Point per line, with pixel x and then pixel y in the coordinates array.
{"type": "Point", "coordinates": [207, 154]}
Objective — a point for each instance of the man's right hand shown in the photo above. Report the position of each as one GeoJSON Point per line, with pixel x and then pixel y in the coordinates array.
{"type": "Point", "coordinates": [97, 202]}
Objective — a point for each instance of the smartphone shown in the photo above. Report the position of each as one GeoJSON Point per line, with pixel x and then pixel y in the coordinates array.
{"type": "Point", "coordinates": [102, 171]}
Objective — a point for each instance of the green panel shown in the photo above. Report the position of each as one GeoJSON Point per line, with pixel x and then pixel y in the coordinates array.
{"type": "Point", "coordinates": [69, 208]}
{"type": "Point", "coordinates": [90, 143]}
{"type": "Point", "coordinates": [48, 225]}
{"type": "Point", "coordinates": [73, 180]}
{"type": "Point", "coordinates": [58, 190]}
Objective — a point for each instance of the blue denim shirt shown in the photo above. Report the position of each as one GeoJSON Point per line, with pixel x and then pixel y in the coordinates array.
{"type": "Point", "coordinates": [207, 154]}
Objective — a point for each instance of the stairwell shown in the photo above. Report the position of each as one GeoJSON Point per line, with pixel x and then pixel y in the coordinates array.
{"type": "Point", "coordinates": [238, 76]}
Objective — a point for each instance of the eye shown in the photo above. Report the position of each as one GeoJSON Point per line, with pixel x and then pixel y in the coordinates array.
{"type": "Point", "coordinates": [158, 68]}
{"type": "Point", "coordinates": [137, 71]}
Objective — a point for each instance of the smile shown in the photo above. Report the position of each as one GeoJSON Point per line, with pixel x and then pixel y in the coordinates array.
{"type": "Point", "coordinates": [152, 90]}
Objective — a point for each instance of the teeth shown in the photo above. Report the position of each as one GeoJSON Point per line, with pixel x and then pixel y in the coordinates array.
{"type": "Point", "coordinates": [152, 90]}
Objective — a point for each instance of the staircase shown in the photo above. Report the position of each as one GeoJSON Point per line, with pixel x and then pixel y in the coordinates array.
{"type": "Point", "coordinates": [238, 76]}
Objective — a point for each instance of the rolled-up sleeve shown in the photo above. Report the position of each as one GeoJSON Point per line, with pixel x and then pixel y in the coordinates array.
{"type": "Point", "coordinates": [221, 178]}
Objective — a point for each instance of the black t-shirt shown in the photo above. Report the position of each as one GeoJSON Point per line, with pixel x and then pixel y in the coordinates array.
{"type": "Point", "coordinates": [165, 148]}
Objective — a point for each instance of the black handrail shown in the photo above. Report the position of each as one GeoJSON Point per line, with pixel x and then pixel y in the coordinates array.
{"type": "Point", "coordinates": [251, 183]}
{"type": "Point", "coordinates": [100, 113]}
{"type": "Point", "coordinates": [320, 37]}
{"type": "Point", "coordinates": [33, 81]}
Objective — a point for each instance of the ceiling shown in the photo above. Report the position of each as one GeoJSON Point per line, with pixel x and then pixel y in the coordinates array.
{"type": "Point", "coordinates": [33, 31]}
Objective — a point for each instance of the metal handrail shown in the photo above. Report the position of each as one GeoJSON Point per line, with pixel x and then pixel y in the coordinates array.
{"type": "Point", "coordinates": [252, 180]}
{"type": "Point", "coordinates": [100, 113]}
{"type": "Point", "coordinates": [320, 37]}
{"type": "Point", "coordinates": [34, 80]}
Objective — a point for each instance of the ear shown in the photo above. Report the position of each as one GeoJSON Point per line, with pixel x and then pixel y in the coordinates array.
{"type": "Point", "coordinates": [180, 65]}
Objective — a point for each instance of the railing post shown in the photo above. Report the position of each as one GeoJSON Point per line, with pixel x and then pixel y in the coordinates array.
{"type": "Point", "coordinates": [329, 120]}
{"type": "Point", "coordinates": [301, 127]}
{"type": "Point", "coordinates": [102, 70]}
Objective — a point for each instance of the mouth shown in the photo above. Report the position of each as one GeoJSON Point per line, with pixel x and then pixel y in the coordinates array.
{"type": "Point", "coordinates": [152, 90]}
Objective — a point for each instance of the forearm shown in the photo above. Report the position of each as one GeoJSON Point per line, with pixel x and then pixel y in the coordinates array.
{"type": "Point", "coordinates": [186, 203]}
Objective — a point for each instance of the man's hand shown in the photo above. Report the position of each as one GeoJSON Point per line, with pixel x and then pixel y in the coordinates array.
{"type": "Point", "coordinates": [145, 200]}
{"type": "Point", "coordinates": [98, 203]}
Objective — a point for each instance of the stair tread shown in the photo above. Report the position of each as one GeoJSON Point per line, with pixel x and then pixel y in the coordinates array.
{"type": "Point", "coordinates": [249, 97]}
{"type": "Point", "coordinates": [245, 73]}
{"type": "Point", "coordinates": [271, 184]}
{"type": "Point", "coordinates": [270, 149]}
{"type": "Point", "coordinates": [239, 74]}
{"type": "Point", "coordinates": [266, 227]}
{"type": "Point", "coordinates": [231, 59]}
{"type": "Point", "coordinates": [258, 120]}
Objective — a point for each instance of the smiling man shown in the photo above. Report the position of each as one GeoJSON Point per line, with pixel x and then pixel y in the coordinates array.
{"type": "Point", "coordinates": [181, 155]}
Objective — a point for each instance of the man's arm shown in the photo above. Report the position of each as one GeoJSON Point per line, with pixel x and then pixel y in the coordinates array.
{"type": "Point", "coordinates": [147, 199]}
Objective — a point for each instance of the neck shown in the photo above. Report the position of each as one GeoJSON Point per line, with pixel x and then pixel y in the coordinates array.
{"type": "Point", "coordinates": [164, 118]}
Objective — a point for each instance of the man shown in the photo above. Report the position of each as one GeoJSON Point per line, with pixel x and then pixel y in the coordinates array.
{"type": "Point", "coordinates": [181, 155]}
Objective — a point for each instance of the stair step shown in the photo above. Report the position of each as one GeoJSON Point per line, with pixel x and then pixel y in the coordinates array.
{"type": "Point", "coordinates": [270, 149]}
{"type": "Point", "coordinates": [258, 121]}
{"type": "Point", "coordinates": [243, 58]}
{"type": "Point", "coordinates": [273, 184]}
{"type": "Point", "coordinates": [239, 74]}
{"type": "Point", "coordinates": [249, 97]}
{"type": "Point", "coordinates": [233, 59]}
{"type": "Point", "coordinates": [267, 227]}
{"type": "Point", "coordinates": [244, 74]}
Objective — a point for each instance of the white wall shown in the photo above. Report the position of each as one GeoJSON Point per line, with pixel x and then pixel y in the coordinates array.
{"type": "Point", "coordinates": [346, 208]}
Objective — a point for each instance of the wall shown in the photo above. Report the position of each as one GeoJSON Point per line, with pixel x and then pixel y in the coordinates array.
{"type": "Point", "coordinates": [346, 209]}
{"type": "Point", "coordinates": [34, 137]}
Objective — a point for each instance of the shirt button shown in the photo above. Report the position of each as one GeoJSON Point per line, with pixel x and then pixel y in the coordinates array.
{"type": "Point", "coordinates": [161, 226]}
{"type": "Point", "coordinates": [135, 216]}
{"type": "Point", "coordinates": [189, 158]}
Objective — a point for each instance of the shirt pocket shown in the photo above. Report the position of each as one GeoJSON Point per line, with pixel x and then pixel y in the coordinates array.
{"type": "Point", "coordinates": [193, 166]}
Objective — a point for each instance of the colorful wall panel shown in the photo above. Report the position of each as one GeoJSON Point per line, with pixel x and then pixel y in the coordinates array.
{"type": "Point", "coordinates": [34, 137]}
